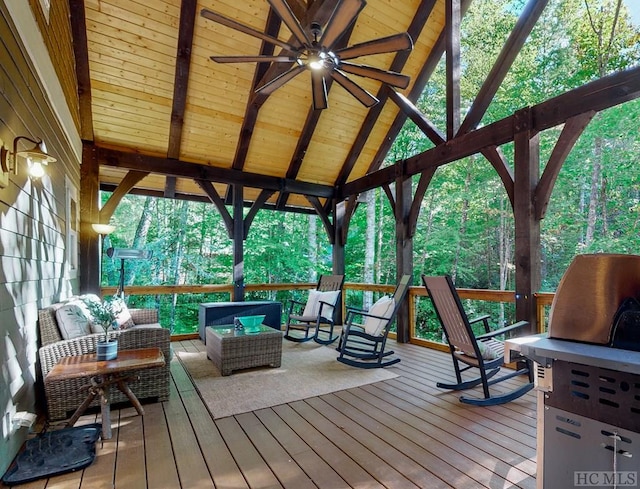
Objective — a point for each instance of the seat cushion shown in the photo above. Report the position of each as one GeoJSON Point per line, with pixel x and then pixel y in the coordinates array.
{"type": "Point", "coordinates": [382, 308]}
{"type": "Point", "coordinates": [489, 349]}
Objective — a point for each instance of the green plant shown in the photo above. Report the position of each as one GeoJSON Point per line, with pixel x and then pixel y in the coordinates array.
{"type": "Point", "coordinates": [104, 313]}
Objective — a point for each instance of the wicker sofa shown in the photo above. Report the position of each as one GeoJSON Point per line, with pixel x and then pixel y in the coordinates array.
{"type": "Point", "coordinates": [65, 396]}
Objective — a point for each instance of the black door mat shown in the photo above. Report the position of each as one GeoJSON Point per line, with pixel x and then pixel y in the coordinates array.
{"type": "Point", "coordinates": [53, 453]}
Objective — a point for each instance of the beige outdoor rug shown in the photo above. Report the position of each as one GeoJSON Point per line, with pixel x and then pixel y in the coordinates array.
{"type": "Point", "coordinates": [307, 370]}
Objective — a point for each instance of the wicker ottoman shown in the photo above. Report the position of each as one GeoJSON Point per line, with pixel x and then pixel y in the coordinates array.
{"type": "Point", "coordinates": [231, 349]}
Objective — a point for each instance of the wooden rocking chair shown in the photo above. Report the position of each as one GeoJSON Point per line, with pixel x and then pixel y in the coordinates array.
{"type": "Point", "coordinates": [363, 345]}
{"type": "Point", "coordinates": [483, 352]}
{"type": "Point", "coordinates": [319, 313]}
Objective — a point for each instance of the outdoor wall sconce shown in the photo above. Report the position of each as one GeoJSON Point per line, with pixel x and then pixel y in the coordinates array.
{"type": "Point", "coordinates": [36, 157]}
{"type": "Point", "coordinates": [103, 229]}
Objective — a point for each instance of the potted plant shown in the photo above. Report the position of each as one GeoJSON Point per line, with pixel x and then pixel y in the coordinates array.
{"type": "Point", "coordinates": [104, 314]}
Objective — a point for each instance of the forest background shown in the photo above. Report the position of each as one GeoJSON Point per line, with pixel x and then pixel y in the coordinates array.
{"type": "Point", "coordinates": [465, 227]}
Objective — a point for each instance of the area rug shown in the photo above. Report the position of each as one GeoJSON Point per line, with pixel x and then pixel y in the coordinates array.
{"type": "Point", "coordinates": [307, 370]}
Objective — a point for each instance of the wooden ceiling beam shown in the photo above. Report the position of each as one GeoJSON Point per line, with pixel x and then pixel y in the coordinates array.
{"type": "Point", "coordinates": [170, 187]}
{"type": "Point", "coordinates": [571, 131]}
{"type": "Point", "coordinates": [313, 117]}
{"type": "Point", "coordinates": [398, 63]}
{"type": "Point", "coordinates": [320, 10]}
{"type": "Point", "coordinates": [181, 77]}
{"type": "Point", "coordinates": [178, 168]}
{"type": "Point", "coordinates": [216, 200]}
{"type": "Point", "coordinates": [512, 47]}
{"type": "Point", "coordinates": [597, 95]}
{"type": "Point", "coordinates": [414, 94]}
{"type": "Point", "coordinates": [108, 187]}
{"type": "Point", "coordinates": [251, 110]}
{"type": "Point", "coordinates": [253, 211]}
{"type": "Point", "coordinates": [418, 118]}
{"type": "Point", "coordinates": [128, 182]}
{"type": "Point", "coordinates": [453, 17]}
{"type": "Point", "coordinates": [81, 53]}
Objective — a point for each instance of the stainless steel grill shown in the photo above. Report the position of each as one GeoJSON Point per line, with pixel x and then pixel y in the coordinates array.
{"type": "Point", "coordinates": [588, 391]}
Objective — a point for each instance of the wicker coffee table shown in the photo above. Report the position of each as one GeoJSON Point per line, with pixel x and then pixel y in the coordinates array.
{"type": "Point", "coordinates": [232, 349]}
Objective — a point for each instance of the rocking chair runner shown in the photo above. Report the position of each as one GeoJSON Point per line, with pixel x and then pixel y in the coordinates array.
{"type": "Point", "coordinates": [363, 345]}
{"type": "Point", "coordinates": [483, 352]}
{"type": "Point", "coordinates": [319, 312]}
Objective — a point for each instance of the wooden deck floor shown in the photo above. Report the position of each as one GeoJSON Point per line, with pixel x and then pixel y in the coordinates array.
{"type": "Point", "coordinates": [400, 433]}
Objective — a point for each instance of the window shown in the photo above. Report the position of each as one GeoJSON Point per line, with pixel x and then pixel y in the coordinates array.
{"type": "Point", "coordinates": [73, 224]}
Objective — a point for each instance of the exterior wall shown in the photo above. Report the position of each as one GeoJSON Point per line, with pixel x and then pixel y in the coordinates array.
{"type": "Point", "coordinates": [38, 260]}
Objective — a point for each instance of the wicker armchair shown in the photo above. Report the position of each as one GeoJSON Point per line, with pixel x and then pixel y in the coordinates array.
{"type": "Point", "coordinates": [65, 396]}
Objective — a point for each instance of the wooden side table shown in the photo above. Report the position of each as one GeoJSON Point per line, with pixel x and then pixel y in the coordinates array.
{"type": "Point", "coordinates": [102, 375]}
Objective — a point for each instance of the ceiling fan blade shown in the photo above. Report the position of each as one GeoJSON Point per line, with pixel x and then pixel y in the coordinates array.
{"type": "Point", "coordinates": [389, 77]}
{"type": "Point", "coordinates": [253, 59]}
{"type": "Point", "coordinates": [397, 42]}
{"type": "Point", "coordinates": [342, 17]}
{"type": "Point", "coordinates": [319, 90]}
{"type": "Point", "coordinates": [280, 80]}
{"type": "Point", "coordinates": [209, 14]}
{"type": "Point", "coordinates": [281, 7]}
{"type": "Point", "coordinates": [364, 97]}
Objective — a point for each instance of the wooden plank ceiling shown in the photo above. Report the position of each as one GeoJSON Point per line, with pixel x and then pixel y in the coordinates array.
{"type": "Point", "coordinates": [156, 94]}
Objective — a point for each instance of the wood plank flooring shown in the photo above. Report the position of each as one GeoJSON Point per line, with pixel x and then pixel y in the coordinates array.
{"type": "Point", "coordinates": [400, 433]}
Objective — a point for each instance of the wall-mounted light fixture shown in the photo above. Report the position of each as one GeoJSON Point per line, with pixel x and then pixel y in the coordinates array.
{"type": "Point", "coordinates": [36, 157]}
{"type": "Point", "coordinates": [103, 229]}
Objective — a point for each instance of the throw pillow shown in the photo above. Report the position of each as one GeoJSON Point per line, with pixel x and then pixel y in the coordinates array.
{"type": "Point", "coordinates": [312, 307]}
{"type": "Point", "coordinates": [383, 308]}
{"type": "Point", "coordinates": [329, 297]}
{"type": "Point", "coordinates": [123, 319]}
{"type": "Point", "coordinates": [73, 320]}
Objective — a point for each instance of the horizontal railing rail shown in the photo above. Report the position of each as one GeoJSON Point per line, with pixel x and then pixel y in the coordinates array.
{"type": "Point", "coordinates": [543, 299]}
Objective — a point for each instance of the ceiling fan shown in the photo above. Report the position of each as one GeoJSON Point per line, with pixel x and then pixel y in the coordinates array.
{"type": "Point", "coordinates": [314, 50]}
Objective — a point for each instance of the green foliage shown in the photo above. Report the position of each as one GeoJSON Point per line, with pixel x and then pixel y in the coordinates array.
{"type": "Point", "coordinates": [465, 226]}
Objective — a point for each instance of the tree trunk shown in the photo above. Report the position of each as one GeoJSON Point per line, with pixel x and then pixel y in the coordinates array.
{"type": "Point", "coordinates": [380, 238]}
{"type": "Point", "coordinates": [313, 247]}
{"type": "Point", "coordinates": [178, 256]}
{"type": "Point", "coordinates": [140, 237]}
{"type": "Point", "coordinates": [462, 230]}
{"type": "Point", "coordinates": [505, 251]}
{"type": "Point", "coordinates": [594, 192]}
{"type": "Point", "coordinates": [370, 247]}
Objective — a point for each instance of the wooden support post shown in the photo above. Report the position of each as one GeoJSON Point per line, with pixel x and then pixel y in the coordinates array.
{"type": "Point", "coordinates": [89, 244]}
{"type": "Point", "coordinates": [527, 227]}
{"type": "Point", "coordinates": [404, 250]}
{"type": "Point", "coordinates": [238, 243]}
{"type": "Point", "coordinates": [339, 240]}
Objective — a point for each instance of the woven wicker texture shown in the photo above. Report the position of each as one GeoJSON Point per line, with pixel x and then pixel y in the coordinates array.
{"type": "Point", "coordinates": [65, 396]}
{"type": "Point", "coordinates": [230, 351]}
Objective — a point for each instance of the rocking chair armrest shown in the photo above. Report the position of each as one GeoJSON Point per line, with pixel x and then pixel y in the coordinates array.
{"type": "Point", "coordinates": [293, 303]}
{"type": "Point", "coordinates": [351, 313]}
{"type": "Point", "coordinates": [355, 309]}
{"type": "Point", "coordinates": [506, 329]}
{"type": "Point", "coordinates": [485, 320]}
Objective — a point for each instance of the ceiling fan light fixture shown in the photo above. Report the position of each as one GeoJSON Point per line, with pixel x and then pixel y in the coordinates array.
{"type": "Point", "coordinates": [316, 49]}
{"type": "Point", "coordinates": [317, 61]}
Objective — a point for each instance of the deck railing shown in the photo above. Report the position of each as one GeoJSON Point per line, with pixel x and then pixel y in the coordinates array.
{"type": "Point", "coordinates": [353, 291]}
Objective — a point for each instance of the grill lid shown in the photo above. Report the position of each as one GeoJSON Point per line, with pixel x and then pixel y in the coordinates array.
{"type": "Point", "coordinates": [589, 294]}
